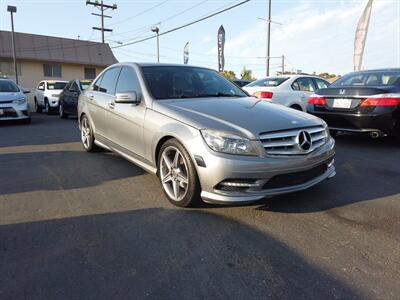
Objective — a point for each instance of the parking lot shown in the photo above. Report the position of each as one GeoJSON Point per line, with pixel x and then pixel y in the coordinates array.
{"type": "Point", "coordinates": [93, 226]}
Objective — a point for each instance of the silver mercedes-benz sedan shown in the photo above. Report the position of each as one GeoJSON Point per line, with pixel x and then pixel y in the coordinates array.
{"type": "Point", "coordinates": [203, 136]}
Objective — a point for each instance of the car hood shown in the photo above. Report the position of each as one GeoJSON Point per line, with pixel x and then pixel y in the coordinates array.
{"type": "Point", "coordinates": [10, 96]}
{"type": "Point", "coordinates": [245, 116]}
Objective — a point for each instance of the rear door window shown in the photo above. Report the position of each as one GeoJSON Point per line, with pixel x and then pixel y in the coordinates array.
{"type": "Point", "coordinates": [321, 84]}
{"type": "Point", "coordinates": [306, 84]}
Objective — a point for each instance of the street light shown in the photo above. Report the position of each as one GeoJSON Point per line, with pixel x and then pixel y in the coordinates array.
{"type": "Point", "coordinates": [12, 10]}
{"type": "Point", "coordinates": [157, 30]}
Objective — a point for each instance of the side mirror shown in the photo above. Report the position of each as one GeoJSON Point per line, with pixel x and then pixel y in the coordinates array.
{"type": "Point", "coordinates": [26, 91]}
{"type": "Point", "coordinates": [128, 98]}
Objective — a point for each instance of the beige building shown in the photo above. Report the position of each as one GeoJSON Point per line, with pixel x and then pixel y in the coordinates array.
{"type": "Point", "coordinates": [43, 57]}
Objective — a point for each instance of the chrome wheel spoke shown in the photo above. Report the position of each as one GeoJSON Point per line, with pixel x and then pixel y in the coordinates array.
{"type": "Point", "coordinates": [176, 187]}
{"type": "Point", "coordinates": [176, 160]}
{"type": "Point", "coordinates": [182, 178]}
{"type": "Point", "coordinates": [167, 161]}
{"type": "Point", "coordinates": [167, 178]}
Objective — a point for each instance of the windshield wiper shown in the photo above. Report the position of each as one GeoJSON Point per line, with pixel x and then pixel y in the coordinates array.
{"type": "Point", "coordinates": [218, 94]}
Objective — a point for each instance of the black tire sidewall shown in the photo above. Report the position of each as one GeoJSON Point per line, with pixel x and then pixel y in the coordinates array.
{"type": "Point", "coordinates": [192, 197]}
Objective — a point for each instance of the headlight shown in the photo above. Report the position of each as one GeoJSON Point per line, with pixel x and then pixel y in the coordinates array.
{"type": "Point", "coordinates": [326, 130]}
{"type": "Point", "coordinates": [55, 95]}
{"type": "Point", "coordinates": [228, 143]}
{"type": "Point", "coordinates": [20, 101]}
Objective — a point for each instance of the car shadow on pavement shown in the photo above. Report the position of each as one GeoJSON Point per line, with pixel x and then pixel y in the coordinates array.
{"type": "Point", "coordinates": [158, 254]}
{"type": "Point", "coordinates": [366, 169]}
{"type": "Point", "coordinates": [60, 170]}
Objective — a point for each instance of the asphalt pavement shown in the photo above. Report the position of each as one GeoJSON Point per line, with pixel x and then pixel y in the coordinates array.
{"type": "Point", "coordinates": [77, 225]}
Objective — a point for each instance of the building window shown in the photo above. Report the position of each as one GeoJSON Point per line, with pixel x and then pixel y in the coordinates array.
{"type": "Point", "coordinates": [7, 68]}
{"type": "Point", "coordinates": [90, 73]}
{"type": "Point", "coordinates": [52, 70]}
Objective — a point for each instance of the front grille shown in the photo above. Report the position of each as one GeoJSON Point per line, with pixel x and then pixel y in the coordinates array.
{"type": "Point", "coordinates": [287, 142]}
{"type": "Point", "coordinates": [8, 112]}
{"type": "Point", "coordinates": [292, 179]}
{"type": "Point", "coordinates": [6, 102]}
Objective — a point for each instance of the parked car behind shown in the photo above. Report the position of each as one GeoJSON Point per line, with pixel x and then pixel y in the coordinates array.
{"type": "Point", "coordinates": [289, 90]}
{"type": "Point", "coordinates": [46, 95]}
{"type": "Point", "coordinates": [68, 99]}
{"type": "Point", "coordinates": [241, 83]}
{"type": "Point", "coordinates": [362, 102]}
{"type": "Point", "coordinates": [202, 135]}
{"type": "Point", "coordinates": [13, 103]}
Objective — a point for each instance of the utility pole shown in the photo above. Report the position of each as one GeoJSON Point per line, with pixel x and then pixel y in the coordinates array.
{"type": "Point", "coordinates": [283, 64]}
{"type": "Point", "coordinates": [268, 37]}
{"type": "Point", "coordinates": [12, 10]}
{"type": "Point", "coordinates": [103, 7]}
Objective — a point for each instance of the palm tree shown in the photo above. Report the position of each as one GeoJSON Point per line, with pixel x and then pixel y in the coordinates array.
{"type": "Point", "coordinates": [246, 74]}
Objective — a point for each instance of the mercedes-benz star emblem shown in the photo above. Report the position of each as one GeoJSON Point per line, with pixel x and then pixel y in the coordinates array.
{"type": "Point", "coordinates": [304, 140]}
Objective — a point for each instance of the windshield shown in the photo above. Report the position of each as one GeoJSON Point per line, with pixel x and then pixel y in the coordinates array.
{"type": "Point", "coordinates": [84, 84]}
{"type": "Point", "coordinates": [373, 78]}
{"type": "Point", "coordinates": [7, 86]}
{"type": "Point", "coordinates": [53, 85]}
{"type": "Point", "coordinates": [170, 82]}
{"type": "Point", "coordinates": [269, 81]}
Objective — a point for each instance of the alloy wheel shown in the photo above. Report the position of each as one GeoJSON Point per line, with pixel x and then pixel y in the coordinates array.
{"type": "Point", "coordinates": [174, 173]}
{"type": "Point", "coordinates": [85, 133]}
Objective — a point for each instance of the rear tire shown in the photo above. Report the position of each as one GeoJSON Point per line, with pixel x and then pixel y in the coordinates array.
{"type": "Point", "coordinates": [38, 109]}
{"type": "Point", "coordinates": [177, 173]}
{"type": "Point", "coordinates": [296, 107]}
{"type": "Point", "coordinates": [61, 112]}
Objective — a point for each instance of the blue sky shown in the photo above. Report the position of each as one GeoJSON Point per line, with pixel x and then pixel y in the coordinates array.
{"type": "Point", "coordinates": [314, 35]}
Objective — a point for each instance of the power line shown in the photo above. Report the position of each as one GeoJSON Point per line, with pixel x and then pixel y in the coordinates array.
{"type": "Point", "coordinates": [143, 29]}
{"type": "Point", "coordinates": [103, 7]}
{"type": "Point", "coordinates": [185, 25]}
{"type": "Point", "coordinates": [140, 13]}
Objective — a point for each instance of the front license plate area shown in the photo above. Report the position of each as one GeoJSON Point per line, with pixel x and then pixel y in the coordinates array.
{"type": "Point", "coordinates": [342, 103]}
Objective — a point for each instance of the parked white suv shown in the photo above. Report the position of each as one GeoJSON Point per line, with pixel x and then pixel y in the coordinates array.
{"type": "Point", "coordinates": [289, 90]}
{"type": "Point", "coordinates": [46, 95]}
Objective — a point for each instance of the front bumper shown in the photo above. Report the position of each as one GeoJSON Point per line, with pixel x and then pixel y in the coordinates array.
{"type": "Point", "coordinates": [53, 101]}
{"type": "Point", "coordinates": [260, 171]}
{"type": "Point", "coordinates": [11, 111]}
{"type": "Point", "coordinates": [381, 119]}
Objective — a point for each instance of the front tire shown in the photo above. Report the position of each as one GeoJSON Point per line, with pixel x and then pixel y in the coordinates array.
{"type": "Point", "coordinates": [48, 108]}
{"type": "Point", "coordinates": [38, 109]}
{"type": "Point", "coordinates": [61, 112]}
{"type": "Point", "coordinates": [87, 136]}
{"type": "Point", "coordinates": [177, 174]}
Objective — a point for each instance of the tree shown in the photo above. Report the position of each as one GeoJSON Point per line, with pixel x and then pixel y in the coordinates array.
{"type": "Point", "coordinates": [246, 74]}
{"type": "Point", "coordinates": [229, 74]}
{"type": "Point", "coordinates": [327, 75]}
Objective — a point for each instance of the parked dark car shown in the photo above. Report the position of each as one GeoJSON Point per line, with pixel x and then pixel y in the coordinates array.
{"type": "Point", "coordinates": [68, 101]}
{"type": "Point", "coordinates": [361, 102]}
{"type": "Point", "coordinates": [241, 83]}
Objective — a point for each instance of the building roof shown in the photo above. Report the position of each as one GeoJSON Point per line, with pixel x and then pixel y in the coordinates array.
{"type": "Point", "coordinates": [55, 49]}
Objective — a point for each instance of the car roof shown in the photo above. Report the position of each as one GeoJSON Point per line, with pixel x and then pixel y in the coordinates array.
{"type": "Point", "coordinates": [144, 64]}
{"type": "Point", "coordinates": [377, 70]}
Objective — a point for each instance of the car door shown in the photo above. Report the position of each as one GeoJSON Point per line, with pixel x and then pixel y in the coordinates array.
{"type": "Point", "coordinates": [127, 119]}
{"type": "Point", "coordinates": [40, 93]}
{"type": "Point", "coordinates": [64, 94]}
{"type": "Point", "coordinates": [73, 95]}
{"type": "Point", "coordinates": [100, 97]}
{"type": "Point", "coordinates": [304, 87]}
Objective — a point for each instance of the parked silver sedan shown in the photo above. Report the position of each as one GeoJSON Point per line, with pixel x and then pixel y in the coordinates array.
{"type": "Point", "coordinates": [14, 104]}
{"type": "Point", "coordinates": [202, 135]}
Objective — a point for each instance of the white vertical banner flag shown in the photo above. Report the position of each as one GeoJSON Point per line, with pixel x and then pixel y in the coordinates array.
{"type": "Point", "coordinates": [186, 54]}
{"type": "Point", "coordinates": [361, 36]}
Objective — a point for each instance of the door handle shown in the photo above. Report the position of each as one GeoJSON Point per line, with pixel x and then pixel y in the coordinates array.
{"type": "Point", "coordinates": [111, 104]}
